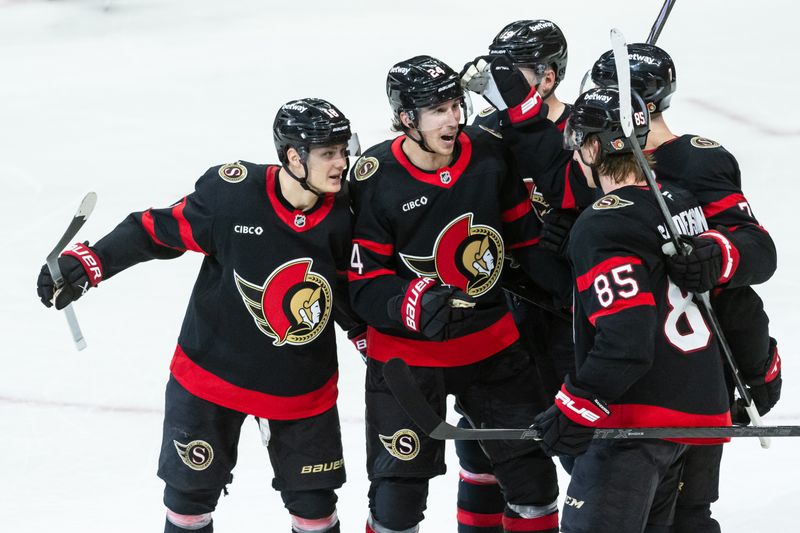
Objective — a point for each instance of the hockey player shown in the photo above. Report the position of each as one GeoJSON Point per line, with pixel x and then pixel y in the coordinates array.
{"type": "Point", "coordinates": [736, 253]}
{"type": "Point", "coordinates": [257, 338]}
{"type": "Point", "coordinates": [633, 330]}
{"type": "Point", "coordinates": [435, 212]}
{"type": "Point", "coordinates": [538, 49]}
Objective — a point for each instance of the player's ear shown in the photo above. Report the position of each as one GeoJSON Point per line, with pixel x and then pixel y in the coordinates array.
{"type": "Point", "coordinates": [293, 157]}
{"type": "Point", "coordinates": [406, 121]}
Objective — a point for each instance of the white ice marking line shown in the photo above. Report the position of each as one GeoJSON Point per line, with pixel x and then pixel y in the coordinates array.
{"type": "Point", "coordinates": [32, 402]}
{"type": "Point", "coordinates": [743, 119]}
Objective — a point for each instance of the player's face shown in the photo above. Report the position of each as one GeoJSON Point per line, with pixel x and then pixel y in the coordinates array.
{"type": "Point", "coordinates": [439, 126]}
{"type": "Point", "coordinates": [326, 166]}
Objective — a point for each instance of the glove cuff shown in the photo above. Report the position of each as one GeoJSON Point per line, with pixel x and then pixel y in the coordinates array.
{"type": "Point", "coordinates": [773, 370]}
{"type": "Point", "coordinates": [730, 255]}
{"type": "Point", "coordinates": [89, 261]}
{"type": "Point", "coordinates": [411, 304]}
{"type": "Point", "coordinates": [528, 109]}
{"type": "Point", "coordinates": [581, 406]}
{"type": "Point", "coordinates": [358, 336]}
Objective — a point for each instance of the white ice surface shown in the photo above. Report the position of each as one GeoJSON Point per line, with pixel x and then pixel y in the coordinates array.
{"type": "Point", "coordinates": [135, 99]}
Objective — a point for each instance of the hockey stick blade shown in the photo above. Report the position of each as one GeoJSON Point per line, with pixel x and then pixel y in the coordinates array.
{"type": "Point", "coordinates": [620, 49]}
{"type": "Point", "coordinates": [77, 222]}
{"type": "Point", "coordinates": [408, 394]}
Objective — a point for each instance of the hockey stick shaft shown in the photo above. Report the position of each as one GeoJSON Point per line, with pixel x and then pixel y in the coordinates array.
{"type": "Point", "coordinates": [411, 399]}
{"type": "Point", "coordinates": [78, 220]}
{"type": "Point", "coordinates": [658, 25]}
{"type": "Point", "coordinates": [622, 63]}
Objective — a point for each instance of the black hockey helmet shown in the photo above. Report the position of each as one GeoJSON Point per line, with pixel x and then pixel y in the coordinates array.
{"type": "Point", "coordinates": [421, 81]}
{"type": "Point", "coordinates": [596, 112]}
{"type": "Point", "coordinates": [533, 44]}
{"type": "Point", "coordinates": [652, 74]}
{"type": "Point", "coordinates": [308, 122]}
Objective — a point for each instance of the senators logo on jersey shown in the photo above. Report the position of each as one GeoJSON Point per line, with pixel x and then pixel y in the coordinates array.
{"type": "Point", "coordinates": [292, 306]}
{"type": "Point", "coordinates": [467, 256]}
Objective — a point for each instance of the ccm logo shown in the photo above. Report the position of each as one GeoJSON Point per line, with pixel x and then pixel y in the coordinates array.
{"type": "Point", "coordinates": [248, 230]}
{"type": "Point", "coordinates": [418, 202]}
{"type": "Point", "coordinates": [569, 403]}
{"type": "Point", "coordinates": [411, 305]}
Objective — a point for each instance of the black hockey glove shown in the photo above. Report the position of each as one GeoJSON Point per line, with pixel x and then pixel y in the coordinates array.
{"type": "Point", "coordinates": [498, 80]}
{"type": "Point", "coordinates": [556, 224]}
{"type": "Point", "coordinates": [81, 270]}
{"type": "Point", "coordinates": [711, 262]}
{"type": "Point", "coordinates": [567, 426]}
{"type": "Point", "coordinates": [765, 390]}
{"type": "Point", "coordinates": [430, 308]}
{"type": "Point", "coordinates": [358, 336]}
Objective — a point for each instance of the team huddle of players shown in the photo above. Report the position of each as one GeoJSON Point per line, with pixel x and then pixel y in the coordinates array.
{"type": "Point", "coordinates": [472, 252]}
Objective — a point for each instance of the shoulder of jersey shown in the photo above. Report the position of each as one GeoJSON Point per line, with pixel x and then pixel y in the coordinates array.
{"type": "Point", "coordinates": [371, 162]}
{"type": "Point", "coordinates": [234, 173]}
{"type": "Point", "coordinates": [489, 121]}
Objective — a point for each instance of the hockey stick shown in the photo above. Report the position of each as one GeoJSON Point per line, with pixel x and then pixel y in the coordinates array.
{"type": "Point", "coordinates": [408, 394]}
{"type": "Point", "coordinates": [78, 220]}
{"type": "Point", "coordinates": [658, 25]}
{"type": "Point", "coordinates": [534, 297]}
{"type": "Point", "coordinates": [622, 63]}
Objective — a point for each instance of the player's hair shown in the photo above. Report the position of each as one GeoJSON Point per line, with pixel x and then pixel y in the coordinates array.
{"type": "Point", "coordinates": [619, 166]}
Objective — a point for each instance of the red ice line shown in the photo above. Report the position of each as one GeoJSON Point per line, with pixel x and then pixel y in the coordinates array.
{"type": "Point", "coordinates": [742, 119]}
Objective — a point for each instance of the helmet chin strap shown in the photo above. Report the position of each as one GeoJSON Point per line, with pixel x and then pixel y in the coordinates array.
{"type": "Point", "coordinates": [593, 168]}
{"type": "Point", "coordinates": [304, 181]}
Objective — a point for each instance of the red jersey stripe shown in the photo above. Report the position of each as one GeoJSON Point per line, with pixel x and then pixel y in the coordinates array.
{"type": "Point", "coordinates": [150, 227]}
{"type": "Point", "coordinates": [207, 386]}
{"type": "Point", "coordinates": [719, 206]}
{"type": "Point", "coordinates": [523, 244]}
{"type": "Point", "coordinates": [584, 281]}
{"type": "Point", "coordinates": [460, 351]}
{"type": "Point", "coordinates": [620, 304]}
{"type": "Point", "coordinates": [568, 201]}
{"type": "Point", "coordinates": [377, 247]}
{"type": "Point", "coordinates": [541, 523]}
{"type": "Point", "coordinates": [517, 212]}
{"type": "Point", "coordinates": [469, 518]}
{"type": "Point", "coordinates": [185, 228]}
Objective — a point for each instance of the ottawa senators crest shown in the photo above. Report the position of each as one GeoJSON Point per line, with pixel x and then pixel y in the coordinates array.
{"type": "Point", "coordinates": [292, 306]}
{"type": "Point", "coordinates": [467, 256]}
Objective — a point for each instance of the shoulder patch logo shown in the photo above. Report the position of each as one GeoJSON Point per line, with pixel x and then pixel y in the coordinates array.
{"type": "Point", "coordinates": [365, 167]}
{"type": "Point", "coordinates": [491, 131]}
{"type": "Point", "coordinates": [610, 201]}
{"type": "Point", "coordinates": [702, 142]}
{"type": "Point", "coordinates": [233, 172]}
{"type": "Point", "coordinates": [197, 455]}
{"type": "Point", "coordinates": [485, 112]}
{"type": "Point", "coordinates": [404, 444]}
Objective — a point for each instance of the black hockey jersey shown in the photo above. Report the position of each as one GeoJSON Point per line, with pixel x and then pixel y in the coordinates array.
{"type": "Point", "coordinates": [551, 149]}
{"type": "Point", "coordinates": [456, 225]}
{"type": "Point", "coordinates": [257, 336]}
{"type": "Point", "coordinates": [712, 175]}
{"type": "Point", "coordinates": [641, 343]}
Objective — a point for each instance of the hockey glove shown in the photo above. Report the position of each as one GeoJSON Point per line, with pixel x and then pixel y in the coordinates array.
{"type": "Point", "coordinates": [429, 308]}
{"type": "Point", "coordinates": [358, 336]}
{"type": "Point", "coordinates": [81, 270]}
{"type": "Point", "coordinates": [505, 87]}
{"type": "Point", "coordinates": [556, 224]}
{"type": "Point", "coordinates": [765, 390]}
{"type": "Point", "coordinates": [712, 261]}
{"type": "Point", "coordinates": [567, 427]}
